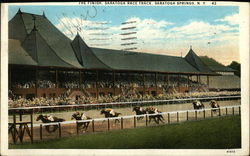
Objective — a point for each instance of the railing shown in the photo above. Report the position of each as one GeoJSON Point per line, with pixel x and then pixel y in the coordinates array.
{"type": "Point", "coordinates": [69, 128]}
{"type": "Point", "coordinates": [120, 104]}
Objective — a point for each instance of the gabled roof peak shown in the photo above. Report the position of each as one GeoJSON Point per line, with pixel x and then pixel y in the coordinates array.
{"type": "Point", "coordinates": [19, 11]}
{"type": "Point", "coordinates": [44, 14]}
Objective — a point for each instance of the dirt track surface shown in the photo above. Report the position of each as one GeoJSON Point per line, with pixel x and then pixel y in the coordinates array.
{"type": "Point", "coordinates": [100, 126]}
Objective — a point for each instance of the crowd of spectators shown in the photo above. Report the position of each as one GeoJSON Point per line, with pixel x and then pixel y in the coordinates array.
{"type": "Point", "coordinates": [124, 97]}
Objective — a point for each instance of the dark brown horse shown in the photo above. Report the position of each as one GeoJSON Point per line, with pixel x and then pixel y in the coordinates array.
{"type": "Point", "coordinates": [139, 111]}
{"type": "Point", "coordinates": [44, 119]}
{"type": "Point", "coordinates": [157, 117]}
{"type": "Point", "coordinates": [110, 113]}
{"type": "Point", "coordinates": [198, 104]}
{"type": "Point", "coordinates": [81, 116]}
{"type": "Point", "coordinates": [214, 104]}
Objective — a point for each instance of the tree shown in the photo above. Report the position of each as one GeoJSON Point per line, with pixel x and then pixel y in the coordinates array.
{"type": "Point", "coordinates": [236, 66]}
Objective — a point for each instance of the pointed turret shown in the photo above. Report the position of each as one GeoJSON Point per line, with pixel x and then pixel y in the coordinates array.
{"type": "Point", "coordinates": [40, 51]}
{"type": "Point", "coordinates": [85, 55]}
{"type": "Point", "coordinates": [44, 14]}
{"type": "Point", "coordinates": [195, 61]}
{"type": "Point", "coordinates": [16, 27]}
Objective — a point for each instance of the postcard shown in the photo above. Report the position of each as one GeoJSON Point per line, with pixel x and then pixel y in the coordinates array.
{"type": "Point", "coordinates": [125, 78]}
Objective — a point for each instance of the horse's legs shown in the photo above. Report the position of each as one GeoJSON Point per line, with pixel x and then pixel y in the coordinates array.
{"type": "Point", "coordinates": [87, 125]}
{"type": "Point", "coordinates": [54, 128]}
{"type": "Point", "coordinates": [47, 128]}
{"type": "Point", "coordinates": [117, 120]}
{"type": "Point", "coordinates": [155, 119]}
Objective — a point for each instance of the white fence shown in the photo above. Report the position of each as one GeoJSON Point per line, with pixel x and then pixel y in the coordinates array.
{"type": "Point", "coordinates": [68, 128]}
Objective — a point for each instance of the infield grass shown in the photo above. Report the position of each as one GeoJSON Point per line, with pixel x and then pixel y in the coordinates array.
{"type": "Point", "coordinates": [217, 133]}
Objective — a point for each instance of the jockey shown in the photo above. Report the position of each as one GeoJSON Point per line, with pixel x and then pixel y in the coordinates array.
{"type": "Point", "coordinates": [111, 111]}
{"type": "Point", "coordinates": [50, 117]}
{"type": "Point", "coordinates": [84, 117]}
{"type": "Point", "coordinates": [198, 103]}
{"type": "Point", "coordinates": [141, 109]}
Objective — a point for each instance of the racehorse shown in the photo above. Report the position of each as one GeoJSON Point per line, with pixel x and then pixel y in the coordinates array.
{"type": "Point", "coordinates": [198, 105]}
{"type": "Point", "coordinates": [139, 111]}
{"type": "Point", "coordinates": [214, 104]}
{"type": "Point", "coordinates": [110, 113]}
{"type": "Point", "coordinates": [157, 117]}
{"type": "Point", "coordinates": [44, 119]}
{"type": "Point", "coordinates": [78, 116]}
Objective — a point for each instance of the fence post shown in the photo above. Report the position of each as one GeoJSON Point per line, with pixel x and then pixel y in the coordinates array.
{"type": "Point", "coordinates": [121, 123]}
{"type": "Point", "coordinates": [77, 127]}
{"type": "Point", "coordinates": [219, 112]}
{"type": "Point", "coordinates": [233, 110]}
{"type": "Point", "coordinates": [146, 120]}
{"type": "Point", "coordinates": [14, 122]}
{"type": "Point", "coordinates": [134, 122]}
{"type": "Point", "coordinates": [168, 118]}
{"type": "Point", "coordinates": [226, 110]}
{"type": "Point", "coordinates": [60, 133]}
{"type": "Point", "coordinates": [204, 114]}
{"type": "Point", "coordinates": [177, 116]}
{"type": "Point", "coordinates": [93, 126]}
{"type": "Point", "coordinates": [212, 112]}
{"type": "Point", "coordinates": [187, 115]}
{"type": "Point", "coordinates": [41, 132]}
{"type": "Point", "coordinates": [31, 126]}
{"type": "Point", "coordinates": [195, 115]}
{"type": "Point", "coordinates": [108, 125]}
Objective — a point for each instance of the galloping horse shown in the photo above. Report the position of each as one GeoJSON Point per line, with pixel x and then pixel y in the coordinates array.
{"type": "Point", "coordinates": [139, 111]}
{"type": "Point", "coordinates": [198, 104]}
{"type": "Point", "coordinates": [214, 104]}
{"type": "Point", "coordinates": [44, 119]}
{"type": "Point", "coordinates": [110, 113]}
{"type": "Point", "coordinates": [157, 117]}
{"type": "Point", "coordinates": [78, 116]}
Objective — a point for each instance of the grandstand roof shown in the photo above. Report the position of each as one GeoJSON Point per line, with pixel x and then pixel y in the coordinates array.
{"type": "Point", "coordinates": [47, 46]}
{"type": "Point", "coordinates": [85, 55]}
{"type": "Point", "coordinates": [138, 61]}
{"type": "Point", "coordinates": [41, 52]}
{"type": "Point", "coordinates": [214, 65]}
{"type": "Point", "coordinates": [17, 55]}
{"type": "Point", "coordinates": [56, 40]}
{"type": "Point", "coordinates": [196, 62]}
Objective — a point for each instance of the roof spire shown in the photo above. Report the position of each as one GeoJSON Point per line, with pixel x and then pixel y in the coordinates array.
{"type": "Point", "coordinates": [44, 14]}
{"type": "Point", "coordinates": [190, 47]}
{"type": "Point", "coordinates": [34, 28]}
{"type": "Point", "coordinates": [19, 11]}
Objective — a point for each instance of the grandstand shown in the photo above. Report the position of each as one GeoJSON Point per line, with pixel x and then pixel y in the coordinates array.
{"type": "Point", "coordinates": [43, 62]}
{"type": "Point", "coordinates": [227, 79]}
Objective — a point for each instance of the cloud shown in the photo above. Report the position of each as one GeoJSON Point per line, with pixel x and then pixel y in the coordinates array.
{"type": "Point", "coordinates": [200, 28]}
{"type": "Point", "coordinates": [231, 19]}
{"type": "Point", "coordinates": [161, 37]}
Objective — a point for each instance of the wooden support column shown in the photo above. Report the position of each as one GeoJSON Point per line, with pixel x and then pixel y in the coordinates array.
{"type": "Point", "coordinates": [96, 85]}
{"type": "Point", "coordinates": [156, 83]}
{"type": "Point", "coordinates": [178, 83]}
{"type": "Point", "coordinates": [188, 81]}
{"type": "Point", "coordinates": [113, 81]}
{"type": "Point", "coordinates": [143, 79]}
{"type": "Point", "coordinates": [80, 79]}
{"type": "Point", "coordinates": [56, 73]}
{"type": "Point", "coordinates": [207, 81]}
{"type": "Point", "coordinates": [167, 77]}
{"type": "Point", "coordinates": [36, 81]}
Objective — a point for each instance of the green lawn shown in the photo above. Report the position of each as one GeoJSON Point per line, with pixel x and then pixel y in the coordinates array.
{"type": "Point", "coordinates": [218, 133]}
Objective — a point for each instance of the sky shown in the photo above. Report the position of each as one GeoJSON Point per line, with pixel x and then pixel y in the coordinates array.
{"type": "Point", "coordinates": [170, 30]}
